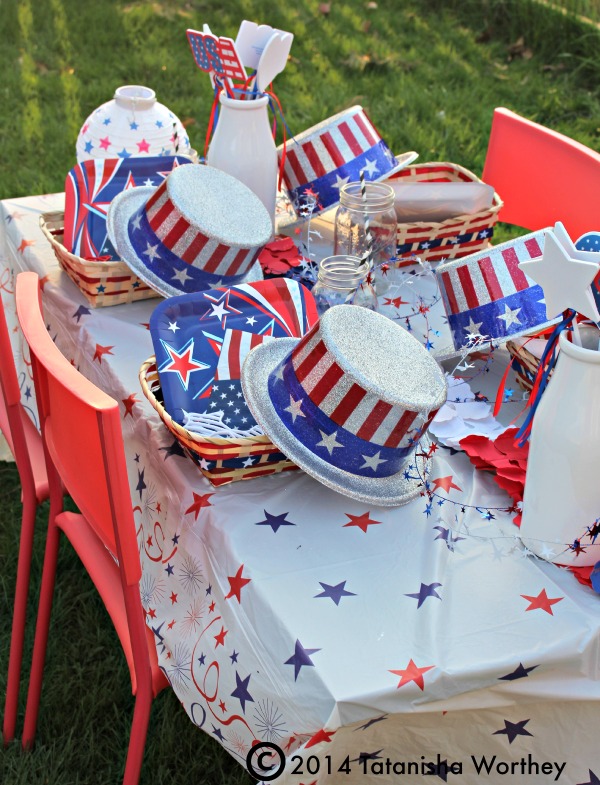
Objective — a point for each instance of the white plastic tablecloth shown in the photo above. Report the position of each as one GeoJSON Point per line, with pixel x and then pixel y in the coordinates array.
{"type": "Point", "coordinates": [366, 642]}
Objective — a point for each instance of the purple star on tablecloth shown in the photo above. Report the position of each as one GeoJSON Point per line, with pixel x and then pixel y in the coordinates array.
{"type": "Point", "coordinates": [174, 449]}
{"type": "Point", "coordinates": [594, 780]}
{"type": "Point", "coordinates": [520, 672]}
{"type": "Point", "coordinates": [241, 691]}
{"type": "Point", "coordinates": [371, 722]}
{"type": "Point", "coordinates": [446, 535]}
{"type": "Point", "coordinates": [275, 521]}
{"type": "Point", "coordinates": [426, 590]}
{"type": "Point", "coordinates": [217, 733]}
{"type": "Point", "coordinates": [364, 756]}
{"type": "Point", "coordinates": [141, 486]}
{"type": "Point", "coordinates": [81, 311]}
{"type": "Point", "coordinates": [336, 592]}
{"type": "Point", "coordinates": [300, 658]}
{"type": "Point", "coordinates": [441, 769]}
{"type": "Point", "coordinates": [513, 729]}
{"type": "Point", "coordinates": [233, 656]}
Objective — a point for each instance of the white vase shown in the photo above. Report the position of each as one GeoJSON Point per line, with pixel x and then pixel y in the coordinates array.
{"type": "Point", "coordinates": [562, 486]}
{"type": "Point", "coordinates": [243, 146]}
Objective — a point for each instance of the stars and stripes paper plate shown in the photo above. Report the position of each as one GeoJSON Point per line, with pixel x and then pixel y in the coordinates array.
{"type": "Point", "coordinates": [202, 339]}
{"type": "Point", "coordinates": [91, 186]}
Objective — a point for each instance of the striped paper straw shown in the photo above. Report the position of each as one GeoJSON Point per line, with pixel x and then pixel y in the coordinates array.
{"type": "Point", "coordinates": [368, 257]}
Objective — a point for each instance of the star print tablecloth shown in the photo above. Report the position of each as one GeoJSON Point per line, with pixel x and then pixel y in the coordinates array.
{"type": "Point", "coordinates": [369, 644]}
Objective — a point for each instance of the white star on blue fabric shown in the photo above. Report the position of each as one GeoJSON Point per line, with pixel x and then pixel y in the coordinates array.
{"type": "Point", "coordinates": [329, 442]}
{"type": "Point", "coordinates": [182, 276]}
{"type": "Point", "coordinates": [151, 251]}
{"type": "Point", "coordinates": [371, 167]}
{"type": "Point", "coordinates": [372, 461]}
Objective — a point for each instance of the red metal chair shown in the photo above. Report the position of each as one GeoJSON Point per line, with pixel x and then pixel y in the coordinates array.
{"type": "Point", "coordinates": [541, 175]}
{"type": "Point", "coordinates": [83, 445]}
{"type": "Point", "coordinates": [25, 443]}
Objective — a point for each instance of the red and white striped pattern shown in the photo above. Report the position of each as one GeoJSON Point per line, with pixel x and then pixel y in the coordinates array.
{"type": "Point", "coordinates": [487, 277]}
{"type": "Point", "coordinates": [347, 403]}
{"type": "Point", "coordinates": [191, 245]}
{"type": "Point", "coordinates": [324, 148]}
{"type": "Point", "coordinates": [236, 345]}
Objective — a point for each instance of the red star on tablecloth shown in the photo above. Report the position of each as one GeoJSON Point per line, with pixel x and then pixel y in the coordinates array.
{"type": "Point", "coordinates": [445, 483]}
{"type": "Point", "coordinates": [200, 501]}
{"type": "Point", "coordinates": [220, 638]}
{"type": "Point", "coordinates": [362, 521]}
{"type": "Point", "coordinates": [25, 244]}
{"type": "Point", "coordinates": [236, 584]}
{"type": "Point", "coordinates": [173, 598]}
{"type": "Point", "coordinates": [101, 350]}
{"type": "Point", "coordinates": [129, 403]}
{"type": "Point", "coordinates": [320, 735]}
{"type": "Point", "coordinates": [541, 602]}
{"type": "Point", "coordinates": [412, 673]}
{"type": "Point", "coordinates": [223, 707]}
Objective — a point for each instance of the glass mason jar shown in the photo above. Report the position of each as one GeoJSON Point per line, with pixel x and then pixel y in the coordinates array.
{"type": "Point", "coordinates": [377, 209]}
{"type": "Point", "coordinates": [343, 280]}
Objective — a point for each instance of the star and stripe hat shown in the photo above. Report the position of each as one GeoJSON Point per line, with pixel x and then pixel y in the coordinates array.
{"type": "Point", "coordinates": [348, 402]}
{"type": "Point", "coordinates": [199, 229]}
{"type": "Point", "coordinates": [322, 159]}
{"type": "Point", "coordinates": [488, 295]}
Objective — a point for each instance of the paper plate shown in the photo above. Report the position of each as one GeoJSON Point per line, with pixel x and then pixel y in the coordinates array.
{"type": "Point", "coordinates": [201, 340]}
{"type": "Point", "coordinates": [91, 186]}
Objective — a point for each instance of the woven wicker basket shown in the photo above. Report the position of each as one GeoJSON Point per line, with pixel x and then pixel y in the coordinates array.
{"type": "Point", "coordinates": [102, 283]}
{"type": "Point", "coordinates": [525, 365]}
{"type": "Point", "coordinates": [219, 459]}
{"type": "Point", "coordinates": [455, 237]}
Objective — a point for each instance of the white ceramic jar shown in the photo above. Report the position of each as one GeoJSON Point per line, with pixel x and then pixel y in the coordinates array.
{"type": "Point", "coordinates": [243, 146]}
{"type": "Point", "coordinates": [562, 486]}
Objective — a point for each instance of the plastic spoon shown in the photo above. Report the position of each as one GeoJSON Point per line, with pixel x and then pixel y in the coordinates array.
{"type": "Point", "coordinates": [273, 59]}
{"type": "Point", "coordinates": [251, 41]}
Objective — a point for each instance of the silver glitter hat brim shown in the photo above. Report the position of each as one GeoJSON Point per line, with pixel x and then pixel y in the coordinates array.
{"type": "Point", "coordinates": [289, 221]}
{"type": "Point", "coordinates": [120, 210]}
{"type": "Point", "coordinates": [383, 491]}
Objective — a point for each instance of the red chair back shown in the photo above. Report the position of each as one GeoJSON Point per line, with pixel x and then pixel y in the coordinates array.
{"type": "Point", "coordinates": [11, 412]}
{"type": "Point", "coordinates": [82, 433]}
{"type": "Point", "coordinates": [542, 176]}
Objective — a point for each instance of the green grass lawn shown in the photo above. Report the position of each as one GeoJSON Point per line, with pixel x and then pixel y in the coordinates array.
{"type": "Point", "coordinates": [429, 73]}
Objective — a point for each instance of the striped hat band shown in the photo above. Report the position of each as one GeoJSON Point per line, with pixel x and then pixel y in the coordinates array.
{"type": "Point", "coordinates": [487, 293]}
{"type": "Point", "coordinates": [322, 159]}
{"type": "Point", "coordinates": [337, 418]}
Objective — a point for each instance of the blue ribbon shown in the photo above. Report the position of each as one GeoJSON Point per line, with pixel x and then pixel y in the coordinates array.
{"type": "Point", "coordinates": [546, 367]}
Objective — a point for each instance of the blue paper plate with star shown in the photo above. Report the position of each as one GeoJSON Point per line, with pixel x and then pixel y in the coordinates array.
{"type": "Point", "coordinates": [201, 341]}
{"type": "Point", "coordinates": [92, 185]}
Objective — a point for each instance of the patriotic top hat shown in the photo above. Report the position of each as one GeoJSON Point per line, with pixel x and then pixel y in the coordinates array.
{"type": "Point", "coordinates": [198, 229]}
{"type": "Point", "coordinates": [348, 402]}
{"type": "Point", "coordinates": [487, 294]}
{"type": "Point", "coordinates": [319, 161]}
